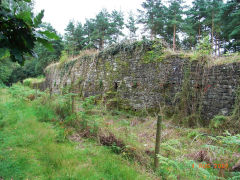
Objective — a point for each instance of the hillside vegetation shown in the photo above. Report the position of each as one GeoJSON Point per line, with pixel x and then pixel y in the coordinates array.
{"type": "Point", "coordinates": [42, 139]}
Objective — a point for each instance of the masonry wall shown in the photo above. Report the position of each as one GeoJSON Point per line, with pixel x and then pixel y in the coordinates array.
{"type": "Point", "coordinates": [143, 84]}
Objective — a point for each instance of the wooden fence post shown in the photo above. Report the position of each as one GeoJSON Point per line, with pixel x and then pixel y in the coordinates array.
{"type": "Point", "coordinates": [157, 145]}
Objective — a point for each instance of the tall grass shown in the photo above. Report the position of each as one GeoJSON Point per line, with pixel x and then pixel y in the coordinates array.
{"type": "Point", "coordinates": [31, 147]}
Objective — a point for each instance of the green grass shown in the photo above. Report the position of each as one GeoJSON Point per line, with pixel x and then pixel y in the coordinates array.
{"type": "Point", "coordinates": [31, 81]}
{"type": "Point", "coordinates": [35, 133]}
{"type": "Point", "coordinates": [33, 149]}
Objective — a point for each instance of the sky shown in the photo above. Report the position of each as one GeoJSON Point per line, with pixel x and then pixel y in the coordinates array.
{"type": "Point", "coordinates": [60, 12]}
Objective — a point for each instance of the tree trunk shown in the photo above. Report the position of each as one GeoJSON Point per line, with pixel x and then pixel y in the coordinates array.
{"type": "Point", "coordinates": [101, 44]}
{"type": "Point", "coordinates": [199, 32]}
{"type": "Point", "coordinates": [157, 145]}
{"type": "Point", "coordinates": [174, 37]}
{"type": "Point", "coordinates": [213, 32]}
{"type": "Point", "coordinates": [152, 34]}
{"type": "Point", "coordinates": [219, 47]}
{"type": "Point", "coordinates": [216, 45]}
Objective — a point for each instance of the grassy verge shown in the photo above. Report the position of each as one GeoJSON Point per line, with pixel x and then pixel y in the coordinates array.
{"type": "Point", "coordinates": [32, 148]}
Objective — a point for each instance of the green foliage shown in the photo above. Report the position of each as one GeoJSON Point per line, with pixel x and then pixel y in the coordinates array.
{"type": "Point", "coordinates": [6, 68]}
{"type": "Point", "coordinates": [64, 57]}
{"type": "Point", "coordinates": [62, 106]}
{"type": "Point", "coordinates": [22, 92]}
{"type": "Point", "coordinates": [229, 18]}
{"type": "Point", "coordinates": [106, 27]}
{"type": "Point", "coordinates": [233, 140]}
{"type": "Point", "coordinates": [218, 122]}
{"type": "Point", "coordinates": [20, 30]}
{"type": "Point", "coordinates": [174, 21]}
{"type": "Point", "coordinates": [89, 103]}
{"type": "Point", "coordinates": [154, 55]}
{"type": "Point", "coordinates": [153, 16]}
{"type": "Point", "coordinates": [45, 114]}
{"type": "Point", "coordinates": [171, 146]}
{"type": "Point", "coordinates": [30, 82]}
{"type": "Point", "coordinates": [188, 102]}
{"type": "Point", "coordinates": [204, 47]}
{"type": "Point", "coordinates": [30, 149]}
{"type": "Point", "coordinates": [131, 25]}
{"type": "Point", "coordinates": [25, 35]}
{"type": "Point", "coordinates": [193, 134]}
{"type": "Point", "coordinates": [74, 38]}
{"type": "Point", "coordinates": [173, 169]}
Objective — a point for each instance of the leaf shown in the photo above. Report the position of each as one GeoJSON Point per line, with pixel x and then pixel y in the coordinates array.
{"type": "Point", "coordinates": [17, 56]}
{"type": "Point", "coordinates": [45, 43]}
{"type": "Point", "coordinates": [26, 17]}
{"type": "Point", "coordinates": [236, 31]}
{"type": "Point", "coordinates": [38, 19]}
{"type": "Point", "coordinates": [50, 35]}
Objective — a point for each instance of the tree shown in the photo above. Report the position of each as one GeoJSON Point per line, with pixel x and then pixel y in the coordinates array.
{"type": "Point", "coordinates": [20, 29]}
{"type": "Point", "coordinates": [89, 28]}
{"type": "Point", "coordinates": [230, 15]}
{"type": "Point", "coordinates": [74, 38]}
{"type": "Point", "coordinates": [153, 17]}
{"type": "Point", "coordinates": [104, 28]}
{"type": "Point", "coordinates": [213, 9]}
{"type": "Point", "coordinates": [116, 25]}
{"type": "Point", "coordinates": [70, 44]}
{"type": "Point", "coordinates": [44, 56]}
{"type": "Point", "coordinates": [194, 24]}
{"type": "Point", "coordinates": [174, 19]}
{"type": "Point", "coordinates": [79, 37]}
{"type": "Point", "coordinates": [131, 25]}
{"type": "Point", "coordinates": [34, 66]}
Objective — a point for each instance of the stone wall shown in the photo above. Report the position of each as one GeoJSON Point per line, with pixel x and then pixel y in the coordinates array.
{"type": "Point", "coordinates": [220, 89]}
{"type": "Point", "coordinates": [144, 84]}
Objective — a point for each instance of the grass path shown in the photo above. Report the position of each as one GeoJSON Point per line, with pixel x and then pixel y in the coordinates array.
{"type": "Point", "coordinates": [30, 149]}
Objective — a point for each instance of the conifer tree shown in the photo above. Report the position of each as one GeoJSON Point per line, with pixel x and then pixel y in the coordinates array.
{"type": "Point", "coordinates": [70, 44]}
{"type": "Point", "coordinates": [153, 17]}
{"type": "Point", "coordinates": [131, 25]}
{"type": "Point", "coordinates": [230, 18]}
{"type": "Point", "coordinates": [105, 28]}
{"type": "Point", "coordinates": [213, 9]}
{"type": "Point", "coordinates": [88, 31]}
{"type": "Point", "coordinates": [174, 19]}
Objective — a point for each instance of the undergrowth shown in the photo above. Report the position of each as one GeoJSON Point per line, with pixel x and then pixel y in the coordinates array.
{"type": "Point", "coordinates": [41, 138]}
{"type": "Point", "coordinates": [34, 144]}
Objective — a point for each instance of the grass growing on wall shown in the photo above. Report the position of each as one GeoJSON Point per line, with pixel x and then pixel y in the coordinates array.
{"type": "Point", "coordinates": [31, 81]}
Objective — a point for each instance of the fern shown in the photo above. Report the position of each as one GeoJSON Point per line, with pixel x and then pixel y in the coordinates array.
{"type": "Point", "coordinates": [186, 169]}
